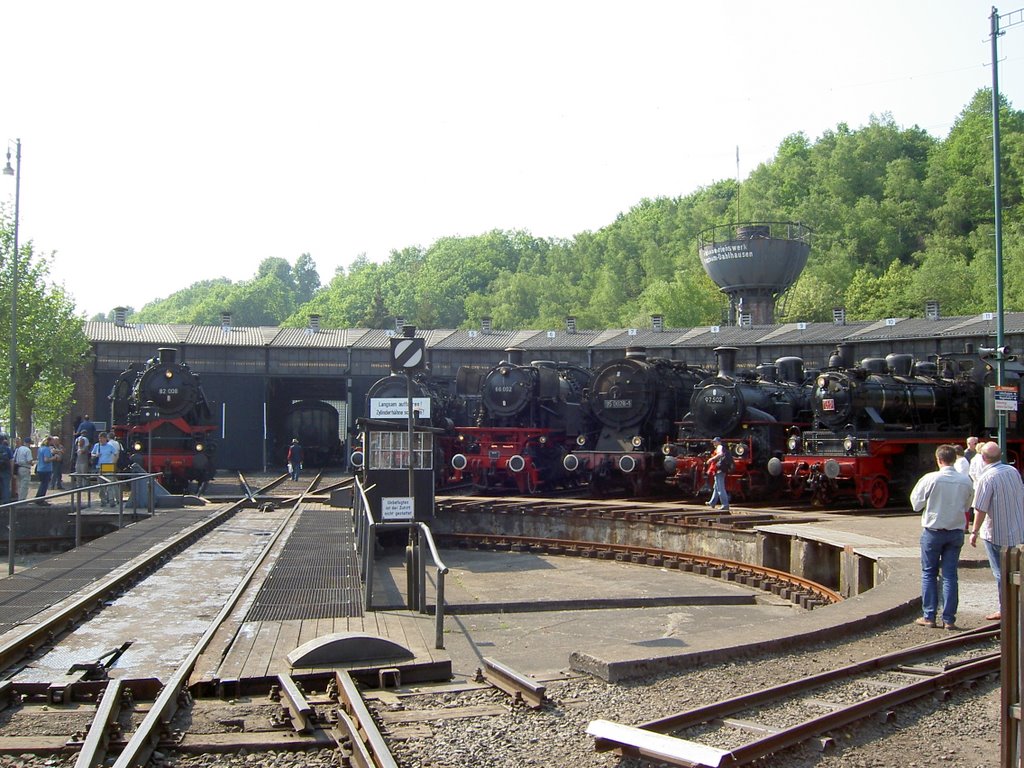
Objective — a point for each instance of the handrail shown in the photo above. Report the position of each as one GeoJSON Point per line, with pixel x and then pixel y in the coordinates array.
{"type": "Point", "coordinates": [366, 528]}
{"type": "Point", "coordinates": [12, 507]}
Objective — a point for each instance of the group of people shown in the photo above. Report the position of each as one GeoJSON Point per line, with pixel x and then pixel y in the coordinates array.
{"type": "Point", "coordinates": [92, 451]}
{"type": "Point", "coordinates": [972, 495]}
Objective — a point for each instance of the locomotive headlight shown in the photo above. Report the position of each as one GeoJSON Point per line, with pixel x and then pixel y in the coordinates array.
{"type": "Point", "coordinates": [200, 447]}
{"type": "Point", "coordinates": [543, 439]}
{"type": "Point", "coordinates": [740, 450]}
{"type": "Point", "coordinates": [668, 449]}
{"type": "Point", "coordinates": [822, 381]}
{"type": "Point", "coordinates": [793, 443]}
{"type": "Point", "coordinates": [849, 443]}
{"type": "Point", "coordinates": [137, 446]}
{"type": "Point", "coordinates": [581, 440]}
{"type": "Point", "coordinates": [168, 374]}
{"type": "Point", "coordinates": [637, 441]}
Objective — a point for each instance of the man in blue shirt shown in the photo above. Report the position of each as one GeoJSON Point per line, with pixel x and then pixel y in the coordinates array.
{"type": "Point", "coordinates": [104, 456]}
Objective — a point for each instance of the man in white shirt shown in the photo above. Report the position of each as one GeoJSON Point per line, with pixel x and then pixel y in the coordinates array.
{"type": "Point", "coordinates": [22, 466]}
{"type": "Point", "coordinates": [943, 498]}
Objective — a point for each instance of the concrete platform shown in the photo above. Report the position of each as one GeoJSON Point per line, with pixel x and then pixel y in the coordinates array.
{"type": "Point", "coordinates": [545, 614]}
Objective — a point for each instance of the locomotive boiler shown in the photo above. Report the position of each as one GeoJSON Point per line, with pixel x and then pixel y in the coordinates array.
{"type": "Point", "coordinates": [526, 417]}
{"type": "Point", "coordinates": [160, 415]}
{"type": "Point", "coordinates": [635, 403]}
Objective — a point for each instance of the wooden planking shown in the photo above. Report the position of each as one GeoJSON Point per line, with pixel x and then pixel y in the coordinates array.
{"type": "Point", "coordinates": [262, 652]}
{"type": "Point", "coordinates": [234, 660]}
{"type": "Point", "coordinates": [287, 641]}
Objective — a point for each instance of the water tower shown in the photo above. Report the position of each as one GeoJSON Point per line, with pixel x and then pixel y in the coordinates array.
{"type": "Point", "coordinates": [754, 264]}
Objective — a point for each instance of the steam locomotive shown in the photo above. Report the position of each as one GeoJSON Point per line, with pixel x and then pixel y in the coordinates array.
{"type": "Point", "coordinates": [876, 424]}
{"type": "Point", "coordinates": [525, 418]}
{"type": "Point", "coordinates": [635, 402]}
{"type": "Point", "coordinates": [161, 417]}
{"type": "Point", "coordinates": [753, 412]}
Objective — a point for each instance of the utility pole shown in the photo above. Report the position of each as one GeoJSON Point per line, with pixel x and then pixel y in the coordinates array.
{"type": "Point", "coordinates": [1000, 353]}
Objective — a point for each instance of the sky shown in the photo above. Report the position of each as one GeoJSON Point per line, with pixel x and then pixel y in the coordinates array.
{"type": "Point", "coordinates": [168, 143]}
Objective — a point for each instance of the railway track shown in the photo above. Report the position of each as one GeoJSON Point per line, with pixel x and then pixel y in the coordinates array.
{"type": "Point", "coordinates": [790, 714]}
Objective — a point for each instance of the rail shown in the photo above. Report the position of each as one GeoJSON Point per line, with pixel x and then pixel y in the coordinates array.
{"type": "Point", "coordinates": [366, 530]}
{"type": "Point", "coordinates": [654, 740]}
{"type": "Point", "coordinates": [146, 737]}
{"type": "Point", "coordinates": [104, 484]}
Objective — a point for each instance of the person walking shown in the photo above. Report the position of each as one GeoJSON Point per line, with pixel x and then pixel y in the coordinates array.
{"type": "Point", "coordinates": [295, 458]}
{"type": "Point", "coordinates": [719, 465]}
{"type": "Point", "coordinates": [998, 512]}
{"type": "Point", "coordinates": [22, 465]}
{"type": "Point", "coordinates": [44, 470]}
{"type": "Point", "coordinates": [6, 467]}
{"type": "Point", "coordinates": [977, 464]}
{"type": "Point", "coordinates": [943, 497]}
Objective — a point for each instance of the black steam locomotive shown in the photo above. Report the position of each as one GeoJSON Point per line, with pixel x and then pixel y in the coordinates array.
{"type": "Point", "coordinates": [877, 423]}
{"type": "Point", "coordinates": [753, 412]}
{"type": "Point", "coordinates": [161, 417]}
{"type": "Point", "coordinates": [524, 418]}
{"type": "Point", "coordinates": [635, 403]}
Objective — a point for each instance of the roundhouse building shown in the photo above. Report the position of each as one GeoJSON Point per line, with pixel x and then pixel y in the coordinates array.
{"type": "Point", "coordinates": [257, 377]}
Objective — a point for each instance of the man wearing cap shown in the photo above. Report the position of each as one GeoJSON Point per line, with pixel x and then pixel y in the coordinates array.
{"type": "Point", "coordinates": [715, 467]}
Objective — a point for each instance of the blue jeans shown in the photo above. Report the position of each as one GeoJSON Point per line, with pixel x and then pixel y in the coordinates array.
{"type": "Point", "coordinates": [940, 553]}
{"type": "Point", "coordinates": [44, 483]}
{"type": "Point", "coordinates": [995, 552]}
{"type": "Point", "coordinates": [720, 495]}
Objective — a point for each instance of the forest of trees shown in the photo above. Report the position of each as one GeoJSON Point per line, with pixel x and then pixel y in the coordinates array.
{"type": "Point", "coordinates": [899, 217]}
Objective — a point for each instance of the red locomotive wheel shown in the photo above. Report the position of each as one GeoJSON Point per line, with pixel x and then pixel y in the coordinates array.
{"type": "Point", "coordinates": [878, 492]}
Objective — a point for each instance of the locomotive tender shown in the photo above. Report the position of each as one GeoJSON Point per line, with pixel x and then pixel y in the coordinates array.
{"type": "Point", "coordinates": [525, 419]}
{"type": "Point", "coordinates": [161, 417]}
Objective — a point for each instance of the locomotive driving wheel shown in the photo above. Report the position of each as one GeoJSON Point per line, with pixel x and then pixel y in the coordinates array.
{"type": "Point", "coordinates": [878, 492]}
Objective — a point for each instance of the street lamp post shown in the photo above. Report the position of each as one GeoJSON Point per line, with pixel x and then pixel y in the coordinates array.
{"type": "Point", "coordinates": [8, 171]}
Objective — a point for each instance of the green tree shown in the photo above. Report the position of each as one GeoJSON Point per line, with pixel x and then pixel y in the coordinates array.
{"type": "Point", "coordinates": [51, 343]}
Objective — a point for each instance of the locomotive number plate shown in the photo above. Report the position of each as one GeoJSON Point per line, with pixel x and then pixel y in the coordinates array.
{"type": "Point", "coordinates": [828, 404]}
{"type": "Point", "coordinates": [618, 403]}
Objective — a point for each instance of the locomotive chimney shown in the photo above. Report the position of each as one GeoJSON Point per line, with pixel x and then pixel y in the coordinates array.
{"type": "Point", "coordinates": [636, 353]}
{"type": "Point", "coordinates": [791, 369]}
{"type": "Point", "coordinates": [657, 323]}
{"type": "Point", "coordinates": [314, 323]}
{"type": "Point", "coordinates": [514, 355]}
{"type": "Point", "coordinates": [844, 353]}
{"type": "Point", "coordinates": [570, 324]}
{"type": "Point", "coordinates": [726, 360]}
{"type": "Point", "coordinates": [167, 354]}
{"type": "Point", "coordinates": [120, 316]}
{"type": "Point", "coordinates": [485, 326]}
{"type": "Point", "coordinates": [409, 331]}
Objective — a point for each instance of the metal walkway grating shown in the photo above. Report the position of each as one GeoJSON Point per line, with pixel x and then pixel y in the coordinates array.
{"type": "Point", "coordinates": [316, 575]}
{"type": "Point", "coordinates": [35, 589]}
